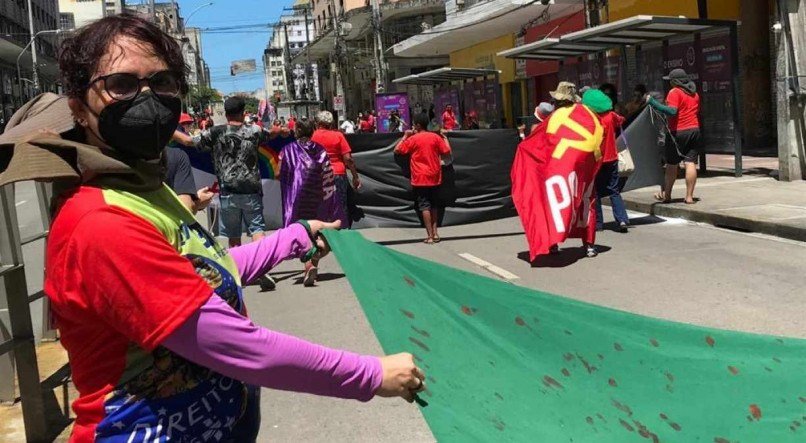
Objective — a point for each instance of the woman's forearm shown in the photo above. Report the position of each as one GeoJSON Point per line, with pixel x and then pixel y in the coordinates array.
{"type": "Point", "coordinates": [257, 258]}
{"type": "Point", "coordinates": [220, 339]}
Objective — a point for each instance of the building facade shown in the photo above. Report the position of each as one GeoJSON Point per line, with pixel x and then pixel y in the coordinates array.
{"type": "Point", "coordinates": [15, 34]}
{"type": "Point", "coordinates": [283, 79]}
{"type": "Point", "coordinates": [82, 12]}
{"type": "Point", "coordinates": [169, 18]}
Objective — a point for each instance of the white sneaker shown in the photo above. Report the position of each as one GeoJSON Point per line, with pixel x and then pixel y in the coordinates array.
{"type": "Point", "coordinates": [591, 252]}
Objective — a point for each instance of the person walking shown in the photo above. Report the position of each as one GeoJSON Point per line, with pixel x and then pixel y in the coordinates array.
{"type": "Point", "coordinates": [425, 150]}
{"type": "Point", "coordinates": [308, 186]}
{"type": "Point", "coordinates": [396, 123]}
{"type": "Point", "coordinates": [150, 308]}
{"type": "Point", "coordinates": [347, 126]}
{"type": "Point", "coordinates": [341, 160]}
{"type": "Point", "coordinates": [234, 148]}
{"type": "Point", "coordinates": [683, 110]}
{"type": "Point", "coordinates": [637, 102]}
{"type": "Point", "coordinates": [178, 172]}
{"type": "Point", "coordinates": [607, 179]}
{"type": "Point", "coordinates": [566, 96]}
{"type": "Point", "coordinates": [448, 119]}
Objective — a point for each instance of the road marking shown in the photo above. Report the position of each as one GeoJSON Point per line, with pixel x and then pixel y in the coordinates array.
{"type": "Point", "coordinates": [500, 272]}
{"type": "Point", "coordinates": [18, 204]}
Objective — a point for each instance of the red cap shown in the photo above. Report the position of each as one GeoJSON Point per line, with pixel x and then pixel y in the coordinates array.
{"type": "Point", "coordinates": [185, 118]}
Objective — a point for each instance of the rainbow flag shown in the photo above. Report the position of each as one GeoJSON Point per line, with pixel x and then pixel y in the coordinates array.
{"type": "Point", "coordinates": [269, 161]}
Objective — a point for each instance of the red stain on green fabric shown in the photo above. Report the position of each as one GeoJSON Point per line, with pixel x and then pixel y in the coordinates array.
{"type": "Point", "coordinates": [710, 341]}
{"type": "Point", "coordinates": [419, 343]}
{"type": "Point", "coordinates": [468, 310]}
{"type": "Point", "coordinates": [409, 281]}
{"type": "Point", "coordinates": [733, 370]}
{"type": "Point", "coordinates": [519, 321]}
{"type": "Point", "coordinates": [755, 411]}
{"type": "Point", "coordinates": [408, 314]}
{"type": "Point", "coordinates": [550, 382]}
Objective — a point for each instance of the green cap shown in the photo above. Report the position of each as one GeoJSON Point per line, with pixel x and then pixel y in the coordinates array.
{"type": "Point", "coordinates": [597, 100]}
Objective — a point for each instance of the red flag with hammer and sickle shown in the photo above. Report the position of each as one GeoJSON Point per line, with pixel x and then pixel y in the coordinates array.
{"type": "Point", "coordinates": [553, 179]}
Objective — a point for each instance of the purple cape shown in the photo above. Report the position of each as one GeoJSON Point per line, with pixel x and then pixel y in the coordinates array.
{"type": "Point", "coordinates": [308, 184]}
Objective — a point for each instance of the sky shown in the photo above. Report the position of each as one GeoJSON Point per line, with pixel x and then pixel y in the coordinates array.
{"type": "Point", "coordinates": [221, 47]}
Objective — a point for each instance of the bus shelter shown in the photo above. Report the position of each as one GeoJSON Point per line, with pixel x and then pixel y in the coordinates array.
{"type": "Point", "coordinates": [631, 34]}
{"type": "Point", "coordinates": [468, 90]}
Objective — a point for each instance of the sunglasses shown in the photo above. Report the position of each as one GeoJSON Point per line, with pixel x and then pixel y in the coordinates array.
{"type": "Point", "coordinates": [124, 86]}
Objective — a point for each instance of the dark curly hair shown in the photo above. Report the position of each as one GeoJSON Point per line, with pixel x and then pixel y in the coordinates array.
{"type": "Point", "coordinates": [80, 54]}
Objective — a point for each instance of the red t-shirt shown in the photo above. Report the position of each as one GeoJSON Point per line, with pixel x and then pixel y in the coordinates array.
{"type": "Point", "coordinates": [291, 124]}
{"type": "Point", "coordinates": [425, 149]}
{"type": "Point", "coordinates": [448, 120]}
{"type": "Point", "coordinates": [365, 126]}
{"type": "Point", "coordinates": [336, 146]}
{"type": "Point", "coordinates": [118, 288]}
{"type": "Point", "coordinates": [611, 122]}
{"type": "Point", "coordinates": [688, 109]}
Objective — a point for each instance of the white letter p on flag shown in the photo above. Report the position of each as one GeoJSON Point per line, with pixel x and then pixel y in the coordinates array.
{"type": "Point", "coordinates": [556, 185]}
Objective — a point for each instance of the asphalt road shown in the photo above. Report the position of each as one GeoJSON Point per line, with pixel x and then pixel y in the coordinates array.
{"type": "Point", "coordinates": [669, 269]}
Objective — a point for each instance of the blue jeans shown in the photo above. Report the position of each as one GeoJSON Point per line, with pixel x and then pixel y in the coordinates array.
{"type": "Point", "coordinates": [237, 209]}
{"type": "Point", "coordinates": [607, 184]}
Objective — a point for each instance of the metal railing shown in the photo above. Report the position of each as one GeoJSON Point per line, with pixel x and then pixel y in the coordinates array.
{"type": "Point", "coordinates": [41, 416]}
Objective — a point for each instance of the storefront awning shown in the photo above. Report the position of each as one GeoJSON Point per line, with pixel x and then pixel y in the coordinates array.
{"type": "Point", "coordinates": [637, 30]}
{"type": "Point", "coordinates": [445, 75]}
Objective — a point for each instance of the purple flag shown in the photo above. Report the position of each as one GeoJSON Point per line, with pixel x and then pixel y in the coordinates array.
{"type": "Point", "coordinates": [308, 184]}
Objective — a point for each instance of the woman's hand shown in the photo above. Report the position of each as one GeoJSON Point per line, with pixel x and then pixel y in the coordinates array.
{"type": "Point", "coordinates": [356, 182]}
{"type": "Point", "coordinates": [401, 377]}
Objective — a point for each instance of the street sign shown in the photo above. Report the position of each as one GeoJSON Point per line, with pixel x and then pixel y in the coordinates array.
{"type": "Point", "coordinates": [338, 103]}
{"type": "Point", "coordinates": [243, 66]}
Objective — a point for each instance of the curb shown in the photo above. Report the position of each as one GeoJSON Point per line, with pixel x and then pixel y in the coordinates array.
{"type": "Point", "coordinates": [720, 220]}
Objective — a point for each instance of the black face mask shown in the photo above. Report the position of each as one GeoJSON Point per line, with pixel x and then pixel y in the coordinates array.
{"type": "Point", "coordinates": [140, 128]}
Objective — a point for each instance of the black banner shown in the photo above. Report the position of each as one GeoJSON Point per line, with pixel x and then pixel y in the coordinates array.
{"type": "Point", "coordinates": [476, 185]}
{"type": "Point", "coordinates": [645, 136]}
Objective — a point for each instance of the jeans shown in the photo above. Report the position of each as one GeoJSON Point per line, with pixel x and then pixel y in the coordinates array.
{"type": "Point", "coordinates": [237, 209]}
{"type": "Point", "coordinates": [607, 184]}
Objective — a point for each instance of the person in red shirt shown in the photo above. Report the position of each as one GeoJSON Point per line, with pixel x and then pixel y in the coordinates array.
{"type": "Point", "coordinates": [683, 109]}
{"type": "Point", "coordinates": [364, 125]}
{"type": "Point", "coordinates": [607, 179]}
{"type": "Point", "coordinates": [292, 123]}
{"type": "Point", "coordinates": [448, 119]}
{"type": "Point", "coordinates": [425, 150]}
{"type": "Point", "coordinates": [341, 159]}
{"type": "Point", "coordinates": [372, 121]}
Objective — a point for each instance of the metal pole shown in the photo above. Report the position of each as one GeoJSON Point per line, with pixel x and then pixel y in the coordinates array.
{"type": "Point", "coordinates": [380, 63]}
{"type": "Point", "coordinates": [309, 68]}
{"type": "Point", "coordinates": [33, 44]}
{"type": "Point", "coordinates": [737, 104]}
{"type": "Point", "coordinates": [287, 63]}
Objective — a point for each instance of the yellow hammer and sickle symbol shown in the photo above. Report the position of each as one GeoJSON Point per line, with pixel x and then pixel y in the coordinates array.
{"type": "Point", "coordinates": [591, 142]}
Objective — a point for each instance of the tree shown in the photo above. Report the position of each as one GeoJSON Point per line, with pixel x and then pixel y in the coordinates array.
{"type": "Point", "coordinates": [201, 96]}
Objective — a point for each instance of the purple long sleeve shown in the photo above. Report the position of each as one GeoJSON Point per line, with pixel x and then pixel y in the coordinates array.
{"type": "Point", "coordinates": [219, 338]}
{"type": "Point", "coordinates": [257, 258]}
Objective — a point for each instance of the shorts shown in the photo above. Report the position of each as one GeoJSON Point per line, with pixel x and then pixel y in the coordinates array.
{"type": "Point", "coordinates": [684, 147]}
{"type": "Point", "coordinates": [237, 209]}
{"type": "Point", "coordinates": [425, 197]}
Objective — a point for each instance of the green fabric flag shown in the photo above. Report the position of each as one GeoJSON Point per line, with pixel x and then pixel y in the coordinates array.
{"type": "Point", "coordinates": [506, 363]}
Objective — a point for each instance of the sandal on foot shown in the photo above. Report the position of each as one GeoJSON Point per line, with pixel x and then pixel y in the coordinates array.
{"type": "Point", "coordinates": [659, 197]}
{"type": "Point", "coordinates": [429, 241]}
{"type": "Point", "coordinates": [310, 277]}
{"type": "Point", "coordinates": [437, 239]}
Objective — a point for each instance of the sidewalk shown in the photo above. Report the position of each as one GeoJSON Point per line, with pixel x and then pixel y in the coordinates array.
{"type": "Point", "coordinates": [756, 202]}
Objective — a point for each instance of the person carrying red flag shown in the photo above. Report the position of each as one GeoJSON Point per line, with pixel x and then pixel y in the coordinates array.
{"type": "Point", "coordinates": [553, 176]}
